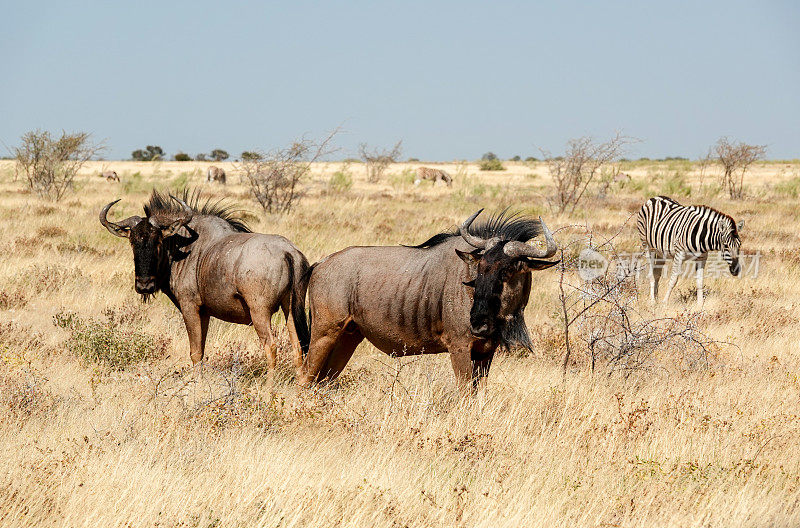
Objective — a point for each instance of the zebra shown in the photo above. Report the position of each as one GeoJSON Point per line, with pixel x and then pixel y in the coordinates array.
{"type": "Point", "coordinates": [668, 229]}
{"type": "Point", "coordinates": [434, 175]}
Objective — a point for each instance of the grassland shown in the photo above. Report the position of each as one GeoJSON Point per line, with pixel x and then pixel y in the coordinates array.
{"type": "Point", "coordinates": [102, 423]}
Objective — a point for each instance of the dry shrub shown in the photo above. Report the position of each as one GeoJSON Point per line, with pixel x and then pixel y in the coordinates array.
{"type": "Point", "coordinates": [605, 316]}
{"type": "Point", "coordinates": [50, 164]}
{"type": "Point", "coordinates": [51, 232]}
{"type": "Point", "coordinates": [110, 343]}
{"type": "Point", "coordinates": [582, 163]}
{"type": "Point", "coordinates": [736, 157]}
{"type": "Point", "coordinates": [275, 178]}
{"type": "Point", "coordinates": [48, 278]}
{"type": "Point", "coordinates": [378, 160]}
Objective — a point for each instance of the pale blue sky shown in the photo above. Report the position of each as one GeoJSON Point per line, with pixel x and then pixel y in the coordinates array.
{"type": "Point", "coordinates": [451, 79]}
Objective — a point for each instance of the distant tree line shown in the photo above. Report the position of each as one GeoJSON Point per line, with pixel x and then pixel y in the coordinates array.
{"type": "Point", "coordinates": [156, 153]}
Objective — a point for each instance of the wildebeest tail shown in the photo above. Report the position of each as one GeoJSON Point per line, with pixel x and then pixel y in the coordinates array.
{"type": "Point", "coordinates": [300, 274]}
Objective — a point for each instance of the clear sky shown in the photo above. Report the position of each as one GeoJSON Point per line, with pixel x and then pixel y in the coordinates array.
{"type": "Point", "coordinates": [451, 79]}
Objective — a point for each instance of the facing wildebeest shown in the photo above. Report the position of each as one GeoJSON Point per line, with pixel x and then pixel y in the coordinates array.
{"type": "Point", "coordinates": [434, 175]}
{"type": "Point", "coordinates": [110, 175]}
{"type": "Point", "coordinates": [460, 292]}
{"type": "Point", "coordinates": [216, 174]}
{"type": "Point", "coordinates": [209, 264]}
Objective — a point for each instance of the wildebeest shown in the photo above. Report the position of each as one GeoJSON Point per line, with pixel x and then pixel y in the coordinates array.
{"type": "Point", "coordinates": [216, 174]}
{"type": "Point", "coordinates": [434, 175]}
{"type": "Point", "coordinates": [461, 292]}
{"type": "Point", "coordinates": [209, 264]}
{"type": "Point", "coordinates": [110, 175]}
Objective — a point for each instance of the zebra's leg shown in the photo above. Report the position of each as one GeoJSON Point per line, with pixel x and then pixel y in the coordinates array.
{"type": "Point", "coordinates": [677, 265]}
{"type": "Point", "coordinates": [701, 263]}
{"type": "Point", "coordinates": [654, 273]}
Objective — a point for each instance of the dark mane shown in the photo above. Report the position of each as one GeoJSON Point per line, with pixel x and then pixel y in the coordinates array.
{"type": "Point", "coordinates": [160, 202]}
{"type": "Point", "coordinates": [503, 225]}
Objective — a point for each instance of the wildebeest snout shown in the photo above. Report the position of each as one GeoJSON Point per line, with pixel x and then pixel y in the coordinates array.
{"type": "Point", "coordinates": [145, 284]}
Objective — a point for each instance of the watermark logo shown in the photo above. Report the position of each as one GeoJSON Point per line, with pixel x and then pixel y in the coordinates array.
{"type": "Point", "coordinates": [591, 264]}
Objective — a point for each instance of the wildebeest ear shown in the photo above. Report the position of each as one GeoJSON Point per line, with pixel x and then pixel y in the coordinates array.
{"type": "Point", "coordinates": [740, 225]}
{"type": "Point", "coordinates": [470, 283]}
{"type": "Point", "coordinates": [171, 229]}
{"type": "Point", "coordinates": [469, 257]}
{"type": "Point", "coordinates": [536, 264]}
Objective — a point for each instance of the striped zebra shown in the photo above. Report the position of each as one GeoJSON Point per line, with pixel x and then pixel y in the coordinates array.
{"type": "Point", "coordinates": [670, 230]}
{"type": "Point", "coordinates": [434, 175]}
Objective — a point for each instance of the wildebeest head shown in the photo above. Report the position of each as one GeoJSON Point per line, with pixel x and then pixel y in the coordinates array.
{"type": "Point", "coordinates": [147, 236]}
{"type": "Point", "coordinates": [500, 269]}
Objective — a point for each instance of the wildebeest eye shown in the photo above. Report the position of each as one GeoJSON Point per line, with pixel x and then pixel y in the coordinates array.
{"type": "Point", "coordinates": [471, 283]}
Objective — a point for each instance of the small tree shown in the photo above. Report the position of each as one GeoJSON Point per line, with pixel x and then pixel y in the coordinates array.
{"type": "Point", "coordinates": [489, 156]}
{"type": "Point", "coordinates": [736, 158]}
{"type": "Point", "coordinates": [150, 153]}
{"type": "Point", "coordinates": [50, 164]}
{"type": "Point", "coordinates": [249, 155]}
{"type": "Point", "coordinates": [274, 178]}
{"type": "Point", "coordinates": [580, 165]}
{"type": "Point", "coordinates": [200, 157]}
{"type": "Point", "coordinates": [218, 155]}
{"type": "Point", "coordinates": [378, 160]}
{"type": "Point", "coordinates": [182, 156]}
{"type": "Point", "coordinates": [516, 158]}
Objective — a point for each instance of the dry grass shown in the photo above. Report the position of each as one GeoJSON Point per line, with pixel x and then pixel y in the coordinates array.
{"type": "Point", "coordinates": [150, 443]}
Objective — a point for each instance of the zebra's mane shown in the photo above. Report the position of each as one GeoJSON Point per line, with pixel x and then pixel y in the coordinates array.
{"type": "Point", "coordinates": [161, 203]}
{"type": "Point", "coordinates": [502, 225]}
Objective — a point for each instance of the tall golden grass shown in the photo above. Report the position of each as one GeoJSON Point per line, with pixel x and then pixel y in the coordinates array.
{"type": "Point", "coordinates": [150, 443]}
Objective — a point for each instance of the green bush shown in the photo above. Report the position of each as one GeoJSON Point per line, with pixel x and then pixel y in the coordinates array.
{"type": "Point", "coordinates": [492, 165]}
{"type": "Point", "coordinates": [112, 342]}
{"type": "Point", "coordinates": [341, 181]}
{"type": "Point", "coordinates": [789, 188]}
{"type": "Point", "coordinates": [406, 177]}
{"type": "Point", "coordinates": [182, 156]}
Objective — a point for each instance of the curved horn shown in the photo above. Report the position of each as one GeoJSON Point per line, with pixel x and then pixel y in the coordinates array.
{"type": "Point", "coordinates": [515, 249]}
{"type": "Point", "coordinates": [472, 240]}
{"type": "Point", "coordinates": [188, 212]}
{"type": "Point", "coordinates": [120, 229]}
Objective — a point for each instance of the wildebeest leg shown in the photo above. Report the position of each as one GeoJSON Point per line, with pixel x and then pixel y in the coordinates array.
{"type": "Point", "coordinates": [462, 368]}
{"type": "Point", "coordinates": [298, 350]}
{"type": "Point", "coordinates": [328, 354]}
{"type": "Point", "coordinates": [196, 322]}
{"type": "Point", "coordinates": [480, 370]}
{"type": "Point", "coordinates": [341, 354]}
{"type": "Point", "coordinates": [262, 322]}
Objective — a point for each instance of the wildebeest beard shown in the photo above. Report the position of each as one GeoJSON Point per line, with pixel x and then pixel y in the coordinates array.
{"type": "Point", "coordinates": [147, 297]}
{"type": "Point", "coordinates": [514, 333]}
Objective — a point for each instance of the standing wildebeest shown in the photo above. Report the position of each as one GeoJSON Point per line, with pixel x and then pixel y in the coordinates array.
{"type": "Point", "coordinates": [434, 175]}
{"type": "Point", "coordinates": [209, 264]}
{"type": "Point", "coordinates": [216, 174]}
{"type": "Point", "coordinates": [110, 175]}
{"type": "Point", "coordinates": [668, 229]}
{"type": "Point", "coordinates": [460, 292]}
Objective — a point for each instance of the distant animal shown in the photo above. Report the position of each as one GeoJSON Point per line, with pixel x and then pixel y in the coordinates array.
{"type": "Point", "coordinates": [668, 229]}
{"type": "Point", "coordinates": [209, 264]}
{"type": "Point", "coordinates": [434, 175]}
{"type": "Point", "coordinates": [216, 174]}
{"type": "Point", "coordinates": [110, 175]}
{"type": "Point", "coordinates": [462, 292]}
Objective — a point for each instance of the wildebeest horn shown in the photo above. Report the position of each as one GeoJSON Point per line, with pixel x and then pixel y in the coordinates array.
{"type": "Point", "coordinates": [187, 211]}
{"type": "Point", "coordinates": [515, 249]}
{"type": "Point", "coordinates": [120, 229]}
{"type": "Point", "coordinates": [472, 240]}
